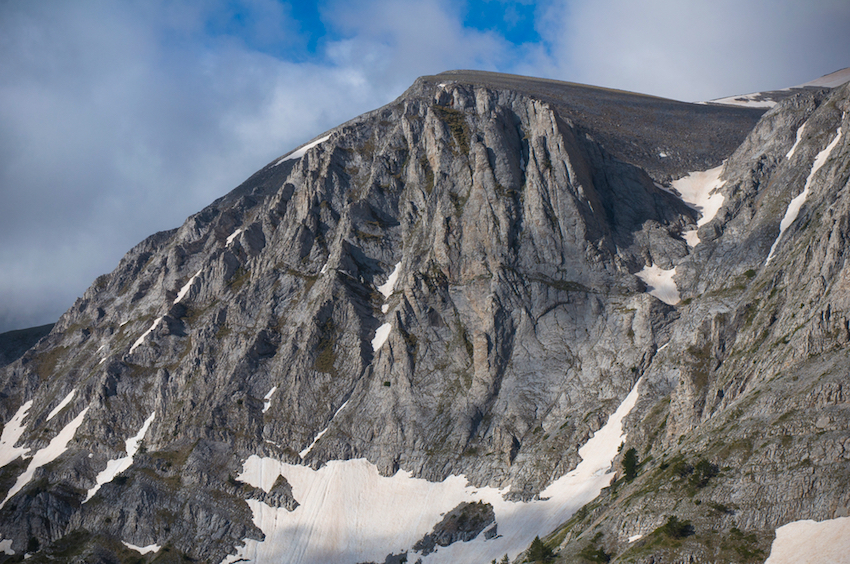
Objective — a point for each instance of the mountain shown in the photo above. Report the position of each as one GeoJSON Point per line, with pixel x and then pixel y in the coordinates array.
{"type": "Point", "coordinates": [13, 344]}
{"type": "Point", "coordinates": [770, 98]}
{"type": "Point", "coordinates": [496, 309]}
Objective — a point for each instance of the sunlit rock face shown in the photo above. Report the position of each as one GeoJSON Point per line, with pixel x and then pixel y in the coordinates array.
{"type": "Point", "coordinates": [431, 321]}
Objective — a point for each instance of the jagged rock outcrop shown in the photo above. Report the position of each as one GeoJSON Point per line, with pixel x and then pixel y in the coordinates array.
{"type": "Point", "coordinates": [446, 286]}
{"type": "Point", "coordinates": [461, 524]}
{"type": "Point", "coordinates": [757, 360]}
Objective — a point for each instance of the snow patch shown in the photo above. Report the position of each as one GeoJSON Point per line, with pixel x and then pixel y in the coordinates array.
{"type": "Point", "coordinates": [663, 155]}
{"type": "Point", "coordinates": [830, 80]}
{"type": "Point", "coordinates": [12, 431]}
{"type": "Point", "coordinates": [61, 405]}
{"type": "Point", "coordinates": [659, 283]}
{"type": "Point", "coordinates": [115, 467]}
{"type": "Point", "coordinates": [303, 150]}
{"type": "Point", "coordinates": [142, 549]}
{"type": "Point", "coordinates": [387, 287]}
{"type": "Point", "coordinates": [268, 398]}
{"type": "Point", "coordinates": [324, 268]}
{"type": "Point", "coordinates": [186, 287]}
{"type": "Point", "coordinates": [381, 336]}
{"type": "Point", "coordinates": [700, 191]}
{"type": "Point", "coordinates": [797, 142]}
{"type": "Point", "coordinates": [635, 538]}
{"type": "Point", "coordinates": [48, 454]}
{"type": "Point", "coordinates": [794, 207]}
{"type": "Point", "coordinates": [664, 346]}
{"type": "Point", "coordinates": [6, 547]}
{"type": "Point", "coordinates": [141, 339]}
{"type": "Point", "coordinates": [754, 100]}
{"type": "Point", "coordinates": [811, 542]}
{"type": "Point", "coordinates": [232, 236]}
{"type": "Point", "coordinates": [385, 308]}
{"type": "Point", "coordinates": [349, 513]}
{"type": "Point", "coordinates": [303, 454]}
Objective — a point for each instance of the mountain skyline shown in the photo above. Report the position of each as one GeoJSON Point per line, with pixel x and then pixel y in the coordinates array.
{"type": "Point", "coordinates": [120, 120]}
{"type": "Point", "coordinates": [551, 312]}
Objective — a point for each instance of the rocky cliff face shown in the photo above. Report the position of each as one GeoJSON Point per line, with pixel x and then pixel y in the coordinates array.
{"type": "Point", "coordinates": [458, 284]}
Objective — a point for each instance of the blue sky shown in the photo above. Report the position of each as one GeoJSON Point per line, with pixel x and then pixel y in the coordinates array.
{"type": "Point", "coordinates": [119, 119]}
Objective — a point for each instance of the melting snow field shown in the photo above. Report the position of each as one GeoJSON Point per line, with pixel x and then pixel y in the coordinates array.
{"type": "Point", "coordinates": [746, 100]}
{"type": "Point", "coordinates": [811, 542]}
{"type": "Point", "coordinates": [232, 237]}
{"type": "Point", "coordinates": [142, 549]}
{"type": "Point", "coordinates": [115, 467]}
{"type": "Point", "coordinates": [186, 287]}
{"type": "Point", "coordinates": [303, 150]}
{"type": "Point", "coordinates": [141, 339]}
{"type": "Point", "coordinates": [268, 399]}
{"type": "Point", "coordinates": [303, 454]}
{"type": "Point", "coordinates": [797, 142]}
{"type": "Point", "coordinates": [387, 287]}
{"type": "Point", "coordinates": [381, 336]}
{"type": "Point", "coordinates": [794, 207]}
{"type": "Point", "coordinates": [349, 513]}
{"type": "Point", "coordinates": [6, 547]}
{"type": "Point", "coordinates": [660, 283]}
{"type": "Point", "coordinates": [48, 454]}
{"type": "Point", "coordinates": [61, 405]}
{"type": "Point", "coordinates": [12, 431]}
{"type": "Point", "coordinates": [700, 190]}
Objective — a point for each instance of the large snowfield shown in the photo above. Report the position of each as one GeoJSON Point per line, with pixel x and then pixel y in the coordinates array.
{"type": "Point", "coordinates": [811, 542]}
{"type": "Point", "coordinates": [349, 513]}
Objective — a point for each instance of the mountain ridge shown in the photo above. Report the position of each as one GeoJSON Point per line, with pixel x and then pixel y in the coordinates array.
{"type": "Point", "coordinates": [444, 286]}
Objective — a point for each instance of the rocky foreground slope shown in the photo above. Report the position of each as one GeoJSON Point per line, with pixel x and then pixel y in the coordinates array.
{"type": "Point", "coordinates": [393, 343]}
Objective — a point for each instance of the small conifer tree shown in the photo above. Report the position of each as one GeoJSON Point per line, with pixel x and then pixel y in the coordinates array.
{"type": "Point", "coordinates": [539, 552]}
{"type": "Point", "coordinates": [630, 463]}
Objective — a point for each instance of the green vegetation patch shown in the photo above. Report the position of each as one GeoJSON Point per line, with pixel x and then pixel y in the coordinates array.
{"type": "Point", "coordinates": [630, 464]}
{"type": "Point", "coordinates": [238, 279]}
{"type": "Point", "coordinates": [539, 552]}
{"type": "Point", "coordinates": [47, 362]}
{"type": "Point", "coordinates": [456, 120]}
{"type": "Point", "coordinates": [429, 175]}
{"type": "Point", "coordinates": [326, 357]}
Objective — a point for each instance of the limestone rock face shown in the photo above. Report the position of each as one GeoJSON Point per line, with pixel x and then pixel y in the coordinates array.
{"type": "Point", "coordinates": [448, 286]}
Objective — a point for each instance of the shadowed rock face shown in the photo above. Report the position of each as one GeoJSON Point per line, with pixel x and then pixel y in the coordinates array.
{"type": "Point", "coordinates": [517, 213]}
{"type": "Point", "coordinates": [461, 524]}
{"type": "Point", "coordinates": [13, 344]}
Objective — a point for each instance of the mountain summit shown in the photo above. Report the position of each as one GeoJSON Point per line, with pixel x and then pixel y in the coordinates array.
{"type": "Point", "coordinates": [498, 308]}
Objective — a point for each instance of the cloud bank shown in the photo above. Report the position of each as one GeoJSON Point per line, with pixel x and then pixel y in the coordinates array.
{"type": "Point", "coordinates": [120, 119]}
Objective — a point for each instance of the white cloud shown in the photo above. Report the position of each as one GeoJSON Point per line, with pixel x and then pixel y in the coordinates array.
{"type": "Point", "coordinates": [119, 120]}
{"type": "Point", "coordinates": [697, 50]}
